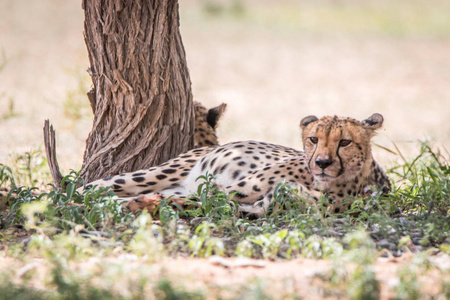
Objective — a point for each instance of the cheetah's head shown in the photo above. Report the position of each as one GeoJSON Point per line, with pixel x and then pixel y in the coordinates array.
{"type": "Point", "coordinates": [338, 149]}
{"type": "Point", "coordinates": [206, 121]}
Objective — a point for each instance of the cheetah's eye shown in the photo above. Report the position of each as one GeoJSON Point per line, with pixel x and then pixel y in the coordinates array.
{"type": "Point", "coordinates": [314, 139]}
{"type": "Point", "coordinates": [344, 143]}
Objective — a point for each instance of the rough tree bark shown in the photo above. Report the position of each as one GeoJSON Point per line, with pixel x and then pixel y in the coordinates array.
{"type": "Point", "coordinates": [141, 98]}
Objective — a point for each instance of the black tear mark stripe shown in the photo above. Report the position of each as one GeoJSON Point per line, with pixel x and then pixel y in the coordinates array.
{"type": "Point", "coordinates": [313, 154]}
{"type": "Point", "coordinates": [341, 171]}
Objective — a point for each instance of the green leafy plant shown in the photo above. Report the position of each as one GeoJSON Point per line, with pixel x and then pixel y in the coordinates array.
{"type": "Point", "coordinates": [67, 208]}
{"type": "Point", "coordinates": [202, 244]}
{"type": "Point", "coordinates": [97, 208]}
{"type": "Point", "coordinates": [147, 239]}
{"type": "Point", "coordinates": [30, 168]}
{"type": "Point", "coordinates": [166, 290]}
{"type": "Point", "coordinates": [352, 273]}
{"type": "Point", "coordinates": [215, 203]}
{"type": "Point", "coordinates": [6, 176]}
{"type": "Point", "coordinates": [424, 183]}
{"type": "Point", "coordinates": [362, 283]}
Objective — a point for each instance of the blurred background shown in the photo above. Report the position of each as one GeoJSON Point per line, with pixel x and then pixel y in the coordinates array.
{"type": "Point", "coordinates": [272, 62]}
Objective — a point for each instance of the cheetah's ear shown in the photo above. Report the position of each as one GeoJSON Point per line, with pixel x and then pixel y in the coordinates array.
{"type": "Point", "coordinates": [375, 121]}
{"type": "Point", "coordinates": [214, 114]}
{"type": "Point", "coordinates": [307, 120]}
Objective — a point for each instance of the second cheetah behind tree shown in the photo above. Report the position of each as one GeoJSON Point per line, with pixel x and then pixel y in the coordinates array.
{"type": "Point", "coordinates": [206, 121]}
{"type": "Point", "coordinates": [337, 161]}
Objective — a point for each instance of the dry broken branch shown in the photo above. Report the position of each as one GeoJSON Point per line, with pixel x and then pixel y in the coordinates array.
{"type": "Point", "coordinates": [50, 150]}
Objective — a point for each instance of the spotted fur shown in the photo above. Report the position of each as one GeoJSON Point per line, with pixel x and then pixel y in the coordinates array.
{"type": "Point", "coordinates": [336, 161]}
{"type": "Point", "coordinates": [206, 122]}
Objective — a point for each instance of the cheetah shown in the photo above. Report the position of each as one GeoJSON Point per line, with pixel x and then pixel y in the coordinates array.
{"type": "Point", "coordinates": [336, 161]}
{"type": "Point", "coordinates": [205, 125]}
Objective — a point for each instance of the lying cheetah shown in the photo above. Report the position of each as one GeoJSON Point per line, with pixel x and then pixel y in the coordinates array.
{"type": "Point", "coordinates": [336, 161]}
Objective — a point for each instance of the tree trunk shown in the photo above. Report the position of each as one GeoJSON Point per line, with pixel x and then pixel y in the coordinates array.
{"type": "Point", "coordinates": [142, 99]}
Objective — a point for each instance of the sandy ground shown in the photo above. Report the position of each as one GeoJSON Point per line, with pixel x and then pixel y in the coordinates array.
{"type": "Point", "coordinates": [226, 277]}
{"type": "Point", "coordinates": [271, 76]}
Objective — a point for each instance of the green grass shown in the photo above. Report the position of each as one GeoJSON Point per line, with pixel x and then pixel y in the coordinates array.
{"type": "Point", "coordinates": [415, 217]}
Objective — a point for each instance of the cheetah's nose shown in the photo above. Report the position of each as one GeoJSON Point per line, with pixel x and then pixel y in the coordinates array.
{"type": "Point", "coordinates": [323, 163]}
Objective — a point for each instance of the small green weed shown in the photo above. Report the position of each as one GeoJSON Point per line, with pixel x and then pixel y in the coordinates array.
{"type": "Point", "coordinates": [67, 208]}
{"type": "Point", "coordinates": [165, 290]}
{"type": "Point", "coordinates": [409, 286]}
{"type": "Point", "coordinates": [30, 168]}
{"type": "Point", "coordinates": [255, 289]}
{"type": "Point", "coordinates": [423, 184]}
{"type": "Point", "coordinates": [362, 283]}
{"type": "Point", "coordinates": [202, 244]}
{"type": "Point", "coordinates": [11, 112]}
{"type": "Point", "coordinates": [147, 239]}
{"type": "Point", "coordinates": [6, 176]}
{"type": "Point", "coordinates": [167, 214]}
{"type": "Point", "coordinates": [356, 281]}
{"type": "Point", "coordinates": [215, 203]}
{"type": "Point", "coordinates": [9, 290]}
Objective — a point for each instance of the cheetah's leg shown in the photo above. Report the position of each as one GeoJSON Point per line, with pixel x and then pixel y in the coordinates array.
{"type": "Point", "coordinates": [150, 202]}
